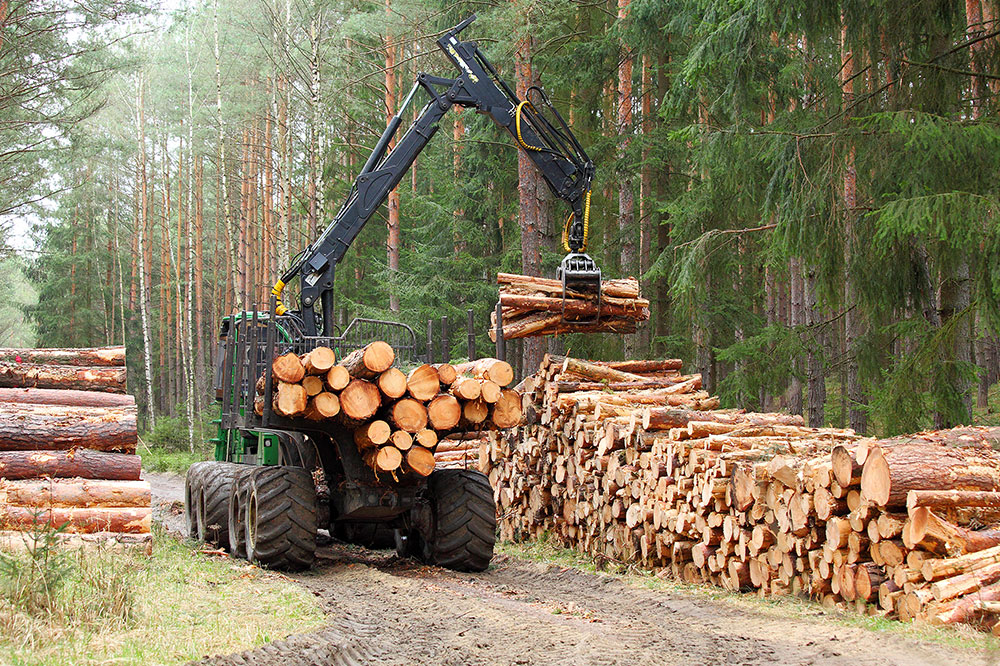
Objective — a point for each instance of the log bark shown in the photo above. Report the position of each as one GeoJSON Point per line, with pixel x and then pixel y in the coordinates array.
{"type": "Point", "coordinates": [28, 427]}
{"type": "Point", "coordinates": [288, 368]}
{"type": "Point", "coordinates": [621, 288]}
{"type": "Point", "coordinates": [645, 367]}
{"type": "Point", "coordinates": [444, 412]}
{"type": "Point", "coordinates": [129, 520]}
{"type": "Point", "coordinates": [963, 609]}
{"type": "Point", "coordinates": [493, 369]}
{"type": "Point", "coordinates": [370, 361]}
{"type": "Point", "coordinates": [82, 463]}
{"type": "Point", "coordinates": [423, 382]}
{"type": "Point", "coordinates": [95, 378]}
{"type": "Point", "coordinates": [664, 418]}
{"type": "Point", "coordinates": [408, 414]}
{"type": "Point", "coordinates": [962, 584]}
{"type": "Point", "coordinates": [598, 372]}
{"type": "Point", "coordinates": [81, 493]}
{"type": "Point", "coordinates": [890, 473]}
{"type": "Point", "coordinates": [69, 398]}
{"type": "Point", "coordinates": [950, 499]}
{"type": "Point", "coordinates": [359, 400]}
{"type": "Point", "coordinates": [101, 356]}
{"type": "Point", "coordinates": [18, 541]}
{"type": "Point", "coordinates": [633, 309]}
{"type": "Point", "coordinates": [935, 569]}
{"type": "Point", "coordinates": [934, 534]}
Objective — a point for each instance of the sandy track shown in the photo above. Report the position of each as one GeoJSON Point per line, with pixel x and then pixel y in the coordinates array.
{"type": "Point", "coordinates": [386, 611]}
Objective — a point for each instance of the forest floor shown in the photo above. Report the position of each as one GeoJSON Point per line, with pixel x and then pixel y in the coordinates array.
{"type": "Point", "coordinates": [538, 605]}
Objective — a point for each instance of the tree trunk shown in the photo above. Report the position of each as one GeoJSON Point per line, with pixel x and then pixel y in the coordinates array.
{"type": "Point", "coordinates": [890, 473]}
{"type": "Point", "coordinates": [19, 375]}
{"type": "Point", "coordinates": [68, 493]}
{"type": "Point", "coordinates": [140, 120]}
{"type": "Point", "coordinates": [67, 397]}
{"type": "Point", "coordinates": [626, 203]}
{"type": "Point", "coordinates": [816, 383]}
{"type": "Point", "coordinates": [393, 242]}
{"type": "Point", "coordinates": [105, 356]}
{"type": "Point", "coordinates": [79, 521]}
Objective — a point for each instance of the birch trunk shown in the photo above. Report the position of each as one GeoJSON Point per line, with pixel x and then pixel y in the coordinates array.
{"type": "Point", "coordinates": [140, 120]}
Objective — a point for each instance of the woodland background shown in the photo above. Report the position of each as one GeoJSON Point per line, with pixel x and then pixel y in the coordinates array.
{"type": "Point", "coordinates": [807, 190]}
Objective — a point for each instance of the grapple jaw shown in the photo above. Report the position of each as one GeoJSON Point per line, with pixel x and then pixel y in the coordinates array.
{"type": "Point", "coordinates": [580, 274]}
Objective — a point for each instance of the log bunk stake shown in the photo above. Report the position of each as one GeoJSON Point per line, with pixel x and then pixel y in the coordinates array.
{"type": "Point", "coordinates": [632, 462]}
{"type": "Point", "coordinates": [67, 449]}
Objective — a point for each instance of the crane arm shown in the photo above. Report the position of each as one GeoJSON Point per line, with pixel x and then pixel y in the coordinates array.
{"type": "Point", "coordinates": [552, 147]}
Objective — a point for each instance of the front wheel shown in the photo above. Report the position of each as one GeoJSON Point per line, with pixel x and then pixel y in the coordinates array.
{"type": "Point", "coordinates": [464, 517]}
{"type": "Point", "coordinates": [280, 517]}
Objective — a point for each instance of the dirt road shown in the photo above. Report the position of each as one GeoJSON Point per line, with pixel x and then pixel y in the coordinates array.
{"type": "Point", "coordinates": [386, 611]}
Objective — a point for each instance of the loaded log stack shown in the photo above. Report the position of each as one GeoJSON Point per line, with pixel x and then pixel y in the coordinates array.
{"type": "Point", "coordinates": [533, 306]}
{"type": "Point", "coordinates": [67, 448]}
{"type": "Point", "coordinates": [631, 462]}
{"type": "Point", "coordinates": [397, 419]}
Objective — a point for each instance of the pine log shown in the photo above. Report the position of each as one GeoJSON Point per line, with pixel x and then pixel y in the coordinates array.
{"type": "Point", "coordinates": [288, 368]}
{"type": "Point", "coordinates": [934, 534]}
{"type": "Point", "coordinates": [450, 445]}
{"type": "Point", "coordinates": [359, 400]}
{"type": "Point", "coordinates": [312, 384]}
{"type": "Point", "coordinates": [130, 520]}
{"type": "Point", "coordinates": [446, 373]}
{"type": "Point", "coordinates": [420, 461]}
{"type": "Point", "coordinates": [637, 308]}
{"type": "Point", "coordinates": [664, 418]}
{"type": "Point", "coordinates": [384, 459]}
{"type": "Point", "coordinates": [544, 323]}
{"type": "Point", "coordinates": [963, 608]}
{"type": "Point", "coordinates": [564, 386]}
{"type": "Point", "coordinates": [82, 463]}
{"type": "Point", "coordinates": [645, 366]}
{"type": "Point", "coordinates": [597, 372]}
{"type": "Point", "coordinates": [337, 378]}
{"type": "Point", "coordinates": [423, 382]}
{"type": "Point", "coordinates": [489, 391]}
{"type": "Point", "coordinates": [80, 493]}
{"type": "Point", "coordinates": [323, 406]}
{"type": "Point", "coordinates": [465, 388]}
{"type": "Point", "coordinates": [392, 383]}
{"type": "Point", "coordinates": [475, 412]}
{"type": "Point", "coordinates": [444, 412]}
{"type": "Point", "coordinates": [962, 584]}
{"type": "Point", "coordinates": [319, 361]}
{"type": "Point", "coordinates": [867, 578]}
{"type": "Point", "coordinates": [96, 378]}
{"type": "Point", "coordinates": [620, 288]}
{"type": "Point", "coordinates": [889, 474]}
{"type": "Point", "coordinates": [493, 369]}
{"type": "Point", "coordinates": [27, 427]}
{"type": "Point", "coordinates": [103, 356]}
{"type": "Point", "coordinates": [949, 499]}
{"type": "Point", "coordinates": [20, 541]}
{"type": "Point", "coordinates": [506, 413]}
{"type": "Point", "coordinates": [426, 438]}
{"type": "Point", "coordinates": [401, 439]}
{"type": "Point", "coordinates": [936, 569]}
{"type": "Point", "coordinates": [372, 434]}
{"type": "Point", "coordinates": [69, 398]}
{"type": "Point", "coordinates": [290, 399]}
{"type": "Point", "coordinates": [370, 361]}
{"type": "Point", "coordinates": [408, 414]}
{"type": "Point", "coordinates": [846, 469]}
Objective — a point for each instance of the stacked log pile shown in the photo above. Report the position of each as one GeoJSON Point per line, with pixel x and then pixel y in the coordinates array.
{"type": "Point", "coordinates": [533, 306]}
{"type": "Point", "coordinates": [648, 471]}
{"type": "Point", "coordinates": [397, 419]}
{"type": "Point", "coordinates": [67, 448]}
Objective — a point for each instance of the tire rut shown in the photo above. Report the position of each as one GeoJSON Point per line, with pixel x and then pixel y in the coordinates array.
{"type": "Point", "coordinates": [386, 611]}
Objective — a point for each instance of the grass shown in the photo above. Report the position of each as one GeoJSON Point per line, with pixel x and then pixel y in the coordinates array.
{"type": "Point", "coordinates": [158, 459]}
{"type": "Point", "coordinates": [547, 550]}
{"type": "Point", "coordinates": [101, 606]}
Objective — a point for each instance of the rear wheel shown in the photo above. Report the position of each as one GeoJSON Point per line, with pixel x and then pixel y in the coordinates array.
{"type": "Point", "coordinates": [465, 521]}
{"type": "Point", "coordinates": [213, 503]}
{"type": "Point", "coordinates": [281, 517]}
{"type": "Point", "coordinates": [237, 511]}
{"type": "Point", "coordinates": [192, 494]}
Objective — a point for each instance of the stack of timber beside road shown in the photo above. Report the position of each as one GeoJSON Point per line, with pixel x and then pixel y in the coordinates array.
{"type": "Point", "coordinates": [67, 448]}
{"type": "Point", "coordinates": [632, 463]}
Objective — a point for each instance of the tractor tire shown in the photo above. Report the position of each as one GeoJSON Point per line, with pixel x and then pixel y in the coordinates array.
{"type": "Point", "coordinates": [213, 502]}
{"type": "Point", "coordinates": [281, 517]}
{"type": "Point", "coordinates": [465, 520]}
{"type": "Point", "coordinates": [192, 493]}
{"type": "Point", "coordinates": [237, 511]}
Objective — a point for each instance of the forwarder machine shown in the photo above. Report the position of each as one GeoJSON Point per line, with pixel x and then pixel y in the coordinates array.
{"type": "Point", "coordinates": [275, 480]}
